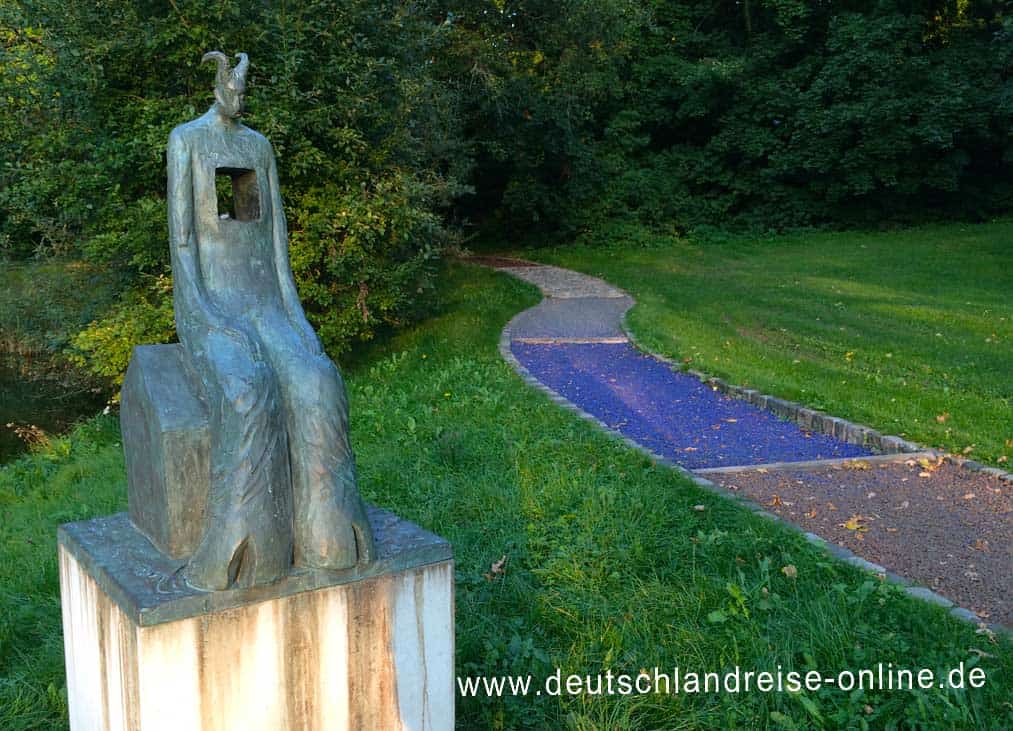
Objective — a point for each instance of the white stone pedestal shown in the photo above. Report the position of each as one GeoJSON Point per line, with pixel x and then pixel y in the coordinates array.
{"type": "Point", "coordinates": [370, 649]}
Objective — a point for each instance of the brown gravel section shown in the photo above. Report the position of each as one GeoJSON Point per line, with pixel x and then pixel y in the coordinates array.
{"type": "Point", "coordinates": [943, 526]}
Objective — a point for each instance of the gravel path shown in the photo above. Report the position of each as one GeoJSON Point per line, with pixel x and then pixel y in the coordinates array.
{"type": "Point", "coordinates": [951, 530]}
{"type": "Point", "coordinates": [668, 412]}
{"type": "Point", "coordinates": [948, 527]}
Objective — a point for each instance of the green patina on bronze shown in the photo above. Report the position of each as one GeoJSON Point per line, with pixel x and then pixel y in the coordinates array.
{"type": "Point", "coordinates": [280, 470]}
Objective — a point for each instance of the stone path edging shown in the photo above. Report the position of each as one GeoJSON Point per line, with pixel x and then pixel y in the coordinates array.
{"type": "Point", "coordinates": [890, 447]}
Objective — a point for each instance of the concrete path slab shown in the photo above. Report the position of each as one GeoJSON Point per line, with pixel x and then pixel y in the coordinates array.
{"type": "Point", "coordinates": [573, 318]}
{"type": "Point", "coordinates": [563, 283]}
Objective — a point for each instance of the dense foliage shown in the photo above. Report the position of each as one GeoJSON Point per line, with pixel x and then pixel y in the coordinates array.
{"type": "Point", "coordinates": [768, 114]}
{"type": "Point", "coordinates": [365, 139]}
{"type": "Point", "coordinates": [398, 125]}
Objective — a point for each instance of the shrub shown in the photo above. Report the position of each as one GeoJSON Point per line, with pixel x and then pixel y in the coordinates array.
{"type": "Point", "coordinates": [368, 144]}
{"type": "Point", "coordinates": [143, 315]}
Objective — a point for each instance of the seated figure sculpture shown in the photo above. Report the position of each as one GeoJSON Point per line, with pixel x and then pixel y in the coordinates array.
{"type": "Point", "coordinates": [283, 487]}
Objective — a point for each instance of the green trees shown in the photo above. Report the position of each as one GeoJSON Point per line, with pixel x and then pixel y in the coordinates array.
{"type": "Point", "coordinates": [767, 114]}
{"type": "Point", "coordinates": [396, 122]}
{"type": "Point", "coordinates": [367, 141]}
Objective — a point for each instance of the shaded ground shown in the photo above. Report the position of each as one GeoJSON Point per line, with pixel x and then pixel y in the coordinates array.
{"type": "Point", "coordinates": [951, 530]}
{"type": "Point", "coordinates": [671, 413]}
{"type": "Point", "coordinates": [29, 406]}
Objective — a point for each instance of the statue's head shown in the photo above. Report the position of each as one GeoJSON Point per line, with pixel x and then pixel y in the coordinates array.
{"type": "Point", "coordinates": [230, 84]}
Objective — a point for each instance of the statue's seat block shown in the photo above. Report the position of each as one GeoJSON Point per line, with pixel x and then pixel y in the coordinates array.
{"type": "Point", "coordinates": [167, 445]}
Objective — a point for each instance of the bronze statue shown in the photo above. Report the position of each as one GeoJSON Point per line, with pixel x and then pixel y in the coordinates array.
{"type": "Point", "coordinates": [283, 488]}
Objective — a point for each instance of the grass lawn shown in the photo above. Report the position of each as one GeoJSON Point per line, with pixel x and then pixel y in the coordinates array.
{"type": "Point", "coordinates": [910, 332]}
{"type": "Point", "coordinates": [609, 562]}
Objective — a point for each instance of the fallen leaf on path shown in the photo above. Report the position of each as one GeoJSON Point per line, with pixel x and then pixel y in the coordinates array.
{"type": "Point", "coordinates": [968, 496]}
{"type": "Point", "coordinates": [775, 501]}
{"type": "Point", "coordinates": [857, 464]}
{"type": "Point", "coordinates": [811, 514]}
{"type": "Point", "coordinates": [856, 523]}
{"type": "Point", "coordinates": [763, 470]}
{"type": "Point", "coordinates": [925, 474]}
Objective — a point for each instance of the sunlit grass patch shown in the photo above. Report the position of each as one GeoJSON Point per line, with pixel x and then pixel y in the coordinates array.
{"type": "Point", "coordinates": [607, 560]}
{"type": "Point", "coordinates": [889, 329]}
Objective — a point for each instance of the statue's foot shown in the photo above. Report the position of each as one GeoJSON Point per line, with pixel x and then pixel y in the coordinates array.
{"type": "Point", "coordinates": [334, 533]}
{"type": "Point", "coordinates": [237, 560]}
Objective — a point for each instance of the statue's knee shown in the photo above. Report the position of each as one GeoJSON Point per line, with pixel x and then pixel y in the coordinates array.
{"type": "Point", "coordinates": [250, 389]}
{"type": "Point", "coordinates": [316, 380]}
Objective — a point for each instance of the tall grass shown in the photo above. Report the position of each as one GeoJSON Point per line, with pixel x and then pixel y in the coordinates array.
{"type": "Point", "coordinates": [612, 562]}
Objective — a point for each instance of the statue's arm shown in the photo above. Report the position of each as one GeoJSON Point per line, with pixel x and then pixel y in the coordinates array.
{"type": "Point", "coordinates": [195, 312]}
{"type": "Point", "coordinates": [286, 281]}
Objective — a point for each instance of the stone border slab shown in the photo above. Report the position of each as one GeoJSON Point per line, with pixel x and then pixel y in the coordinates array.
{"type": "Point", "coordinates": [816, 463]}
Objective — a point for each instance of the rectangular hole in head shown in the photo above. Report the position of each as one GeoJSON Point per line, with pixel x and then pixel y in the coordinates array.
{"type": "Point", "coordinates": [238, 194]}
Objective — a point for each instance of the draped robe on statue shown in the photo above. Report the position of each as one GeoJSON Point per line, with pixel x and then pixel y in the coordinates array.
{"type": "Point", "coordinates": [283, 486]}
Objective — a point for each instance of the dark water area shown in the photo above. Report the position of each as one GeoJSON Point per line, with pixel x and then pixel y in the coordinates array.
{"type": "Point", "coordinates": [41, 403]}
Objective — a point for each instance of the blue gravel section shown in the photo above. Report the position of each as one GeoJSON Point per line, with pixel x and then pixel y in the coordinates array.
{"type": "Point", "coordinates": [672, 413]}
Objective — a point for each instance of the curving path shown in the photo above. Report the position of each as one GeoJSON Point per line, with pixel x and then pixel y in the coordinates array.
{"type": "Point", "coordinates": [913, 512]}
{"type": "Point", "coordinates": [574, 343]}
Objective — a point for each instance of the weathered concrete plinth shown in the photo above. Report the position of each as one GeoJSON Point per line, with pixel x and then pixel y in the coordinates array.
{"type": "Point", "coordinates": [369, 648]}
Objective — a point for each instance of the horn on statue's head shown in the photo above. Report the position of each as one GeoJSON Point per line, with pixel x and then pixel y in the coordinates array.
{"type": "Point", "coordinates": [239, 72]}
{"type": "Point", "coordinates": [222, 75]}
